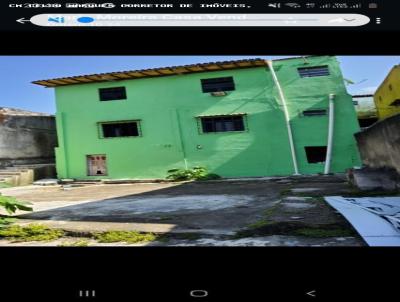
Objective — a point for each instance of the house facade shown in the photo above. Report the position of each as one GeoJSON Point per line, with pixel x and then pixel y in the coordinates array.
{"type": "Point", "coordinates": [227, 116]}
{"type": "Point", "coordinates": [387, 96]}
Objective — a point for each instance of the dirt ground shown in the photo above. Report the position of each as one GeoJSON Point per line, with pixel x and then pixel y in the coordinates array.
{"type": "Point", "coordinates": [250, 212]}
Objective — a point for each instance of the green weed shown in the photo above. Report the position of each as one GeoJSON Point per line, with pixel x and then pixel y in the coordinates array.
{"type": "Point", "coordinates": [32, 232]}
{"type": "Point", "coordinates": [125, 236]}
{"type": "Point", "coordinates": [196, 173]}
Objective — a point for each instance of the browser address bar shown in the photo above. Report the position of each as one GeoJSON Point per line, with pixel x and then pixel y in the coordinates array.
{"type": "Point", "coordinates": [201, 20]}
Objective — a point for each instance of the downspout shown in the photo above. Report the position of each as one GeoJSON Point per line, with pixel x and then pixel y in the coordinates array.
{"type": "Point", "coordinates": [181, 139]}
{"type": "Point", "coordinates": [61, 140]}
{"type": "Point", "coordinates": [287, 118]}
{"type": "Point", "coordinates": [331, 125]}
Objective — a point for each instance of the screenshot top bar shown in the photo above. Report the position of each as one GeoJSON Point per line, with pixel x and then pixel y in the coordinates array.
{"type": "Point", "coordinates": [207, 20]}
{"type": "Point", "coordinates": [365, 15]}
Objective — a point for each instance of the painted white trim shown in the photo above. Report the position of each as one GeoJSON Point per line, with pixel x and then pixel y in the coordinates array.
{"type": "Point", "coordinates": [331, 126]}
{"type": "Point", "coordinates": [287, 118]}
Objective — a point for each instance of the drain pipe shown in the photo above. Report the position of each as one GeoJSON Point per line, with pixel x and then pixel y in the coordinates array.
{"type": "Point", "coordinates": [331, 126]}
{"type": "Point", "coordinates": [181, 139]}
{"type": "Point", "coordinates": [287, 118]}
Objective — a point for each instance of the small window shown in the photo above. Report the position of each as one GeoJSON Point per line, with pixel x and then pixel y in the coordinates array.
{"type": "Point", "coordinates": [96, 165]}
{"type": "Point", "coordinates": [112, 94]}
{"type": "Point", "coordinates": [314, 112]}
{"type": "Point", "coordinates": [311, 72]}
{"type": "Point", "coordinates": [222, 123]}
{"type": "Point", "coordinates": [217, 84]}
{"type": "Point", "coordinates": [390, 87]}
{"type": "Point", "coordinates": [120, 129]}
{"type": "Point", "coordinates": [315, 155]}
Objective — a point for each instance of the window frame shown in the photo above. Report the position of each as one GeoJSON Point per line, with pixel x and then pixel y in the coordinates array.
{"type": "Point", "coordinates": [220, 90]}
{"type": "Point", "coordinates": [314, 67]}
{"type": "Point", "coordinates": [110, 100]}
{"type": "Point", "coordinates": [315, 163]}
{"type": "Point", "coordinates": [314, 115]}
{"type": "Point", "coordinates": [101, 133]}
{"type": "Point", "coordinates": [242, 115]}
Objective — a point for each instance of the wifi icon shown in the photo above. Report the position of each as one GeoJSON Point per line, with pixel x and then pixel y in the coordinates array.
{"type": "Point", "coordinates": [293, 5]}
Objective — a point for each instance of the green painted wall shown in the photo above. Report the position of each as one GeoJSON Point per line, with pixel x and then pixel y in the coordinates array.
{"type": "Point", "coordinates": [168, 106]}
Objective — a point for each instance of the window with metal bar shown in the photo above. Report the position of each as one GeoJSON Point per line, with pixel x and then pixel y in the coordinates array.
{"type": "Point", "coordinates": [217, 84]}
{"type": "Point", "coordinates": [120, 129]}
{"type": "Point", "coordinates": [112, 94]}
{"type": "Point", "coordinates": [222, 123]}
{"type": "Point", "coordinates": [315, 71]}
{"type": "Point", "coordinates": [314, 112]}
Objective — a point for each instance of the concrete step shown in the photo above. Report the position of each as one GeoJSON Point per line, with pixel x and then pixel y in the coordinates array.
{"type": "Point", "coordinates": [80, 182]}
{"type": "Point", "coordinates": [6, 178]}
{"type": "Point", "coordinates": [368, 179]}
{"type": "Point", "coordinates": [92, 227]}
{"type": "Point", "coordinates": [10, 176]}
{"type": "Point", "coordinates": [22, 175]}
{"type": "Point", "coordinates": [85, 228]}
{"type": "Point", "coordinates": [9, 173]}
{"type": "Point", "coordinates": [13, 169]}
{"type": "Point", "coordinates": [14, 178]}
{"type": "Point", "coordinates": [32, 166]}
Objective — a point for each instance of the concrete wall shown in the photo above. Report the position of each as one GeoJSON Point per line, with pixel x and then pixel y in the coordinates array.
{"type": "Point", "coordinates": [379, 145]}
{"type": "Point", "coordinates": [27, 139]}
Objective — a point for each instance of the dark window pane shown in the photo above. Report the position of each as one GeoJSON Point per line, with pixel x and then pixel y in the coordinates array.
{"type": "Point", "coordinates": [222, 124]}
{"type": "Point", "coordinates": [317, 71]}
{"type": "Point", "coordinates": [218, 84]}
{"type": "Point", "coordinates": [229, 126]}
{"type": "Point", "coordinates": [314, 112]}
{"type": "Point", "coordinates": [120, 129]}
{"type": "Point", "coordinates": [208, 125]}
{"type": "Point", "coordinates": [110, 94]}
{"type": "Point", "coordinates": [316, 154]}
{"type": "Point", "coordinates": [219, 126]}
{"type": "Point", "coordinates": [239, 125]}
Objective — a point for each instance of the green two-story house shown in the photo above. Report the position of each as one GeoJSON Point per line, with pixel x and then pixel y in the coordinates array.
{"type": "Point", "coordinates": [242, 118]}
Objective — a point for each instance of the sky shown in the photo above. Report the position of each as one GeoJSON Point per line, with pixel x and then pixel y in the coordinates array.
{"type": "Point", "coordinates": [17, 73]}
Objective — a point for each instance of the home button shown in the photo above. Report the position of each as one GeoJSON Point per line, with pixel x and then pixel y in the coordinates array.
{"type": "Point", "coordinates": [198, 293]}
